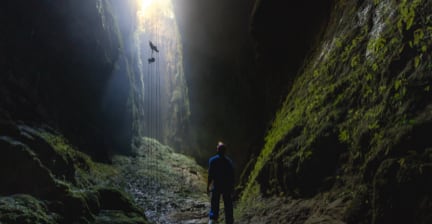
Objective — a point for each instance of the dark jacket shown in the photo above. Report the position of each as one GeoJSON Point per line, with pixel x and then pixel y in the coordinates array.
{"type": "Point", "coordinates": [221, 172]}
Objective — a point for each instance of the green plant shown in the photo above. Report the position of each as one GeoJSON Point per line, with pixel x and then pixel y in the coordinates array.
{"type": "Point", "coordinates": [407, 10]}
{"type": "Point", "coordinates": [344, 136]}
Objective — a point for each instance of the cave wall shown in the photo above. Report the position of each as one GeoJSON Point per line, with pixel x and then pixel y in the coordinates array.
{"type": "Point", "coordinates": [282, 42]}
{"type": "Point", "coordinates": [60, 67]}
{"type": "Point", "coordinates": [222, 86]}
{"type": "Point", "coordinates": [355, 119]}
{"type": "Point", "coordinates": [237, 68]}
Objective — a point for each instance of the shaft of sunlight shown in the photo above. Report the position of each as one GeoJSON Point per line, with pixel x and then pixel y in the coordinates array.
{"type": "Point", "coordinates": [162, 84]}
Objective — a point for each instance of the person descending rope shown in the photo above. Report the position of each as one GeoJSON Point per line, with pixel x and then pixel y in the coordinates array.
{"type": "Point", "coordinates": [221, 182]}
{"type": "Point", "coordinates": [153, 49]}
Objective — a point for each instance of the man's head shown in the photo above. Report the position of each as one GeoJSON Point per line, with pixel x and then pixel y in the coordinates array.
{"type": "Point", "coordinates": [221, 148]}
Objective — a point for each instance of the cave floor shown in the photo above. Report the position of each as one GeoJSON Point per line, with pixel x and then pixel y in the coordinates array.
{"type": "Point", "coordinates": [170, 187]}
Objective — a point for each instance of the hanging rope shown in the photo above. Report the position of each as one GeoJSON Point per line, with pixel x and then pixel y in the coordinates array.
{"type": "Point", "coordinates": [158, 104]}
{"type": "Point", "coordinates": [154, 115]}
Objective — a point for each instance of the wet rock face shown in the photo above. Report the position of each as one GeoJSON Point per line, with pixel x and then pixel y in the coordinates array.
{"type": "Point", "coordinates": [297, 173]}
{"type": "Point", "coordinates": [284, 32]}
{"type": "Point", "coordinates": [403, 191]}
{"type": "Point", "coordinates": [45, 180]}
{"type": "Point", "coordinates": [21, 169]}
{"type": "Point", "coordinates": [368, 81]}
{"type": "Point", "coordinates": [57, 59]}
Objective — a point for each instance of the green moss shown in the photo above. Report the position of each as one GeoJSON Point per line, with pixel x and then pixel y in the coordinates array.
{"type": "Point", "coordinates": [350, 79]}
{"type": "Point", "coordinates": [407, 10]}
{"type": "Point", "coordinates": [249, 202]}
{"type": "Point", "coordinates": [29, 169]}
{"type": "Point", "coordinates": [344, 136]}
{"type": "Point", "coordinates": [370, 86]}
{"type": "Point", "coordinates": [149, 159]}
{"type": "Point", "coordinates": [87, 172]}
{"type": "Point", "coordinates": [281, 125]}
{"type": "Point", "coordinates": [25, 209]}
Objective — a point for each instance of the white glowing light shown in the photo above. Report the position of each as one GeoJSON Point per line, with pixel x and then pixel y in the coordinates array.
{"type": "Point", "coordinates": [146, 4]}
{"type": "Point", "coordinates": [152, 14]}
{"type": "Point", "coordinates": [155, 8]}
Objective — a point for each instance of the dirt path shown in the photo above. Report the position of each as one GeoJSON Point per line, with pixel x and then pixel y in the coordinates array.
{"type": "Point", "coordinates": [169, 186]}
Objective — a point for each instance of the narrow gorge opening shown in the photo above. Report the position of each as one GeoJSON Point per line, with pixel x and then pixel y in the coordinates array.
{"type": "Point", "coordinates": [110, 110]}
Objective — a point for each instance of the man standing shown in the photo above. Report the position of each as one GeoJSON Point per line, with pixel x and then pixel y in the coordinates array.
{"type": "Point", "coordinates": [221, 182]}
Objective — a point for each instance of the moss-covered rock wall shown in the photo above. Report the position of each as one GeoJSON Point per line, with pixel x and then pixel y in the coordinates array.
{"type": "Point", "coordinates": [46, 180]}
{"type": "Point", "coordinates": [357, 118]}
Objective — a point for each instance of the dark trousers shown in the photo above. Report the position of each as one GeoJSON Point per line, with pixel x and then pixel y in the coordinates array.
{"type": "Point", "coordinates": [228, 204]}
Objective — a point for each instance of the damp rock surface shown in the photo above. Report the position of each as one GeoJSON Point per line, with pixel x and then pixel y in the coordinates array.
{"type": "Point", "coordinates": [45, 180]}
{"type": "Point", "coordinates": [171, 187]}
{"type": "Point", "coordinates": [353, 124]}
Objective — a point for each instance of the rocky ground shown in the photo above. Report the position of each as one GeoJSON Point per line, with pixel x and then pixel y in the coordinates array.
{"type": "Point", "coordinates": [169, 186]}
{"type": "Point", "coordinates": [322, 209]}
{"type": "Point", "coordinates": [45, 180]}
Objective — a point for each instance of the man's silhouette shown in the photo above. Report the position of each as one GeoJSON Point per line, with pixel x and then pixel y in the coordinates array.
{"type": "Point", "coordinates": [221, 182]}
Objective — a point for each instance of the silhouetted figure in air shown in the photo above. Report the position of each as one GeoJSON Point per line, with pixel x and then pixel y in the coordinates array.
{"type": "Point", "coordinates": [221, 182]}
{"type": "Point", "coordinates": [153, 49]}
